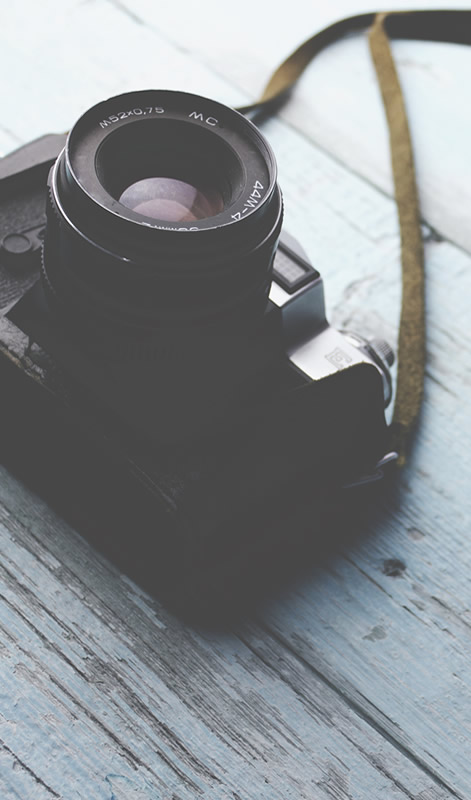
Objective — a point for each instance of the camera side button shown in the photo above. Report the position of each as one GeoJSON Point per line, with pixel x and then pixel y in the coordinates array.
{"type": "Point", "coordinates": [20, 250]}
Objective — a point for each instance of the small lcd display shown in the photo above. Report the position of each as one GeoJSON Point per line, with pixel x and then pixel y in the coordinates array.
{"type": "Point", "coordinates": [292, 273]}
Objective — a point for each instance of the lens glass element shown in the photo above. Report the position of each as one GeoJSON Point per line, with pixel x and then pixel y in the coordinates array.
{"type": "Point", "coordinates": [172, 200]}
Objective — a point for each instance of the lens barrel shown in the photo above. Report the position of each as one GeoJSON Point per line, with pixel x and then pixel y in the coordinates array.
{"type": "Point", "coordinates": [163, 210]}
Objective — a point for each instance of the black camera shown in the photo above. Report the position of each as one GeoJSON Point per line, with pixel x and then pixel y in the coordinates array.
{"type": "Point", "coordinates": [160, 344]}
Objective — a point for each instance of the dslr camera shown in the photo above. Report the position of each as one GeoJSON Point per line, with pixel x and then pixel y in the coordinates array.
{"type": "Point", "coordinates": [164, 344]}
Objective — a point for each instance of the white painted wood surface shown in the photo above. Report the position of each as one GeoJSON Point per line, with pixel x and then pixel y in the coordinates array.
{"type": "Point", "coordinates": [352, 683]}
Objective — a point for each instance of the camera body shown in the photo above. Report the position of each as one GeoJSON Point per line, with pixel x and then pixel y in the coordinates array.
{"type": "Point", "coordinates": [241, 396]}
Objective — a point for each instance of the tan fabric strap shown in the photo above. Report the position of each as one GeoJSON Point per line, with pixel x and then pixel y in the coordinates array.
{"type": "Point", "coordinates": [411, 348]}
{"type": "Point", "coordinates": [436, 25]}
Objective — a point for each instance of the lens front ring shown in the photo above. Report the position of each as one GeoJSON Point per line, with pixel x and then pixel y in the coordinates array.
{"type": "Point", "coordinates": [146, 267]}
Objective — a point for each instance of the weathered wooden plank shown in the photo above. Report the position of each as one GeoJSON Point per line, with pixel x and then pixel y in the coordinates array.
{"type": "Point", "coordinates": [406, 670]}
{"type": "Point", "coordinates": [91, 52]}
{"type": "Point", "coordinates": [27, 784]}
{"type": "Point", "coordinates": [103, 688]}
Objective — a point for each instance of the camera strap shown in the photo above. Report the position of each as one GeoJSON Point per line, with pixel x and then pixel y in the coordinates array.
{"type": "Point", "coordinates": [439, 25]}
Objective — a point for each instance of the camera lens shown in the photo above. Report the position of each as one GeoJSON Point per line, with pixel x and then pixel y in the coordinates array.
{"type": "Point", "coordinates": [163, 210]}
{"type": "Point", "coordinates": [172, 200]}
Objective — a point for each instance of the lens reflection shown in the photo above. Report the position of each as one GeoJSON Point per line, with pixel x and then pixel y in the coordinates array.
{"type": "Point", "coordinates": [171, 200]}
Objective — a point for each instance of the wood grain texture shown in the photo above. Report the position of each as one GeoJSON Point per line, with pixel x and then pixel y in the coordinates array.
{"type": "Point", "coordinates": [354, 682]}
{"type": "Point", "coordinates": [112, 689]}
